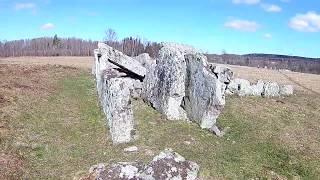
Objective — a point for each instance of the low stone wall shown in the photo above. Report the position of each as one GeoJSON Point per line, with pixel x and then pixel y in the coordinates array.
{"type": "Point", "coordinates": [243, 87]}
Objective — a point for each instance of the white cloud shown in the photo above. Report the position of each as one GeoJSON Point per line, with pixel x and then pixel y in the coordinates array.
{"type": "Point", "coordinates": [309, 22]}
{"type": "Point", "coordinates": [21, 6]}
{"type": "Point", "coordinates": [242, 25]}
{"type": "Point", "coordinates": [249, 2]}
{"type": "Point", "coordinates": [47, 26]}
{"type": "Point", "coordinates": [267, 36]}
{"type": "Point", "coordinates": [271, 8]}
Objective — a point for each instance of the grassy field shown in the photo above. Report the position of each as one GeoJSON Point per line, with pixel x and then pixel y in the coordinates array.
{"type": "Point", "coordinates": [51, 127]}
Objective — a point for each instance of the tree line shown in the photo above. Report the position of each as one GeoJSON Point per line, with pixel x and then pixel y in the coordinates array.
{"type": "Point", "coordinates": [55, 46]}
{"type": "Point", "coordinates": [133, 46]}
{"type": "Point", "coordinates": [47, 46]}
{"type": "Point", "coordinates": [270, 61]}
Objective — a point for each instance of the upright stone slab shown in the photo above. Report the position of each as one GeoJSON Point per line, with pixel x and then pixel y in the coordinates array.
{"type": "Point", "coordinates": [164, 84]}
{"type": "Point", "coordinates": [205, 91]}
{"type": "Point", "coordinates": [118, 109]}
{"type": "Point", "coordinates": [118, 80]}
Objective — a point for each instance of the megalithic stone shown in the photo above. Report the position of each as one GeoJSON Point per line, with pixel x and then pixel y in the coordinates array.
{"type": "Point", "coordinates": [205, 91]}
{"type": "Point", "coordinates": [164, 84]}
{"type": "Point", "coordinates": [118, 109]}
{"type": "Point", "coordinates": [124, 62]}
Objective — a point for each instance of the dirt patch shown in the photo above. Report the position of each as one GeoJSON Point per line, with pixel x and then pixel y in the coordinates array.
{"type": "Point", "coordinates": [78, 62]}
{"type": "Point", "coordinates": [11, 166]}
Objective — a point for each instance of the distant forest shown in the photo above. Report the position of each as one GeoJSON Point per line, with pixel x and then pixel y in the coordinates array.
{"type": "Point", "coordinates": [55, 46]}
{"type": "Point", "coordinates": [270, 61]}
{"type": "Point", "coordinates": [133, 46]}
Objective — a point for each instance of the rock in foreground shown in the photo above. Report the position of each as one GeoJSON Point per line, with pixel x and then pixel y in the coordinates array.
{"type": "Point", "coordinates": [168, 165]}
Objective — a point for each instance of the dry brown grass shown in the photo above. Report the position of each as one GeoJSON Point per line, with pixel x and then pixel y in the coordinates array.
{"type": "Point", "coordinates": [79, 62]}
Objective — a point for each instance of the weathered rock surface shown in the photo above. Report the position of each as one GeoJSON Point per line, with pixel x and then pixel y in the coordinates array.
{"type": "Point", "coordinates": [145, 60]}
{"type": "Point", "coordinates": [125, 63]}
{"type": "Point", "coordinates": [164, 84]}
{"type": "Point", "coordinates": [118, 109]}
{"type": "Point", "coordinates": [168, 165]}
{"type": "Point", "coordinates": [123, 171]}
{"type": "Point", "coordinates": [180, 90]}
{"type": "Point", "coordinates": [95, 171]}
{"type": "Point", "coordinates": [271, 89]}
{"type": "Point", "coordinates": [286, 90]}
{"type": "Point", "coordinates": [242, 87]}
{"type": "Point", "coordinates": [257, 89]}
{"type": "Point", "coordinates": [118, 80]}
{"type": "Point", "coordinates": [205, 91]}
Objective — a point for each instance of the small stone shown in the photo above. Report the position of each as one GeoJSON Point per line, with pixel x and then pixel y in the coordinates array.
{"type": "Point", "coordinates": [131, 149]}
{"type": "Point", "coordinates": [149, 152]}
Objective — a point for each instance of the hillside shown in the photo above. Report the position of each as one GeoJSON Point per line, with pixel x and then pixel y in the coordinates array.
{"type": "Point", "coordinates": [271, 61]}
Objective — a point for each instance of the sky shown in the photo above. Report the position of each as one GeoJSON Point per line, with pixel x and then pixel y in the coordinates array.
{"type": "Point", "coordinates": [290, 27]}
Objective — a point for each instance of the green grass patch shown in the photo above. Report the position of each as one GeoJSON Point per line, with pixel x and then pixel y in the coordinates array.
{"type": "Point", "coordinates": [63, 135]}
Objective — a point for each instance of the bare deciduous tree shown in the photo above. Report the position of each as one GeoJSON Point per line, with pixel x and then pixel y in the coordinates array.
{"type": "Point", "coordinates": [111, 35]}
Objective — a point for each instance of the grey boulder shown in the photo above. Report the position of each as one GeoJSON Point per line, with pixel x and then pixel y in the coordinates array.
{"type": "Point", "coordinates": [168, 165]}
{"type": "Point", "coordinates": [205, 91]}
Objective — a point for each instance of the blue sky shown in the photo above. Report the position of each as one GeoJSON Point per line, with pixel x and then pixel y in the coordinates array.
{"type": "Point", "coordinates": [236, 26]}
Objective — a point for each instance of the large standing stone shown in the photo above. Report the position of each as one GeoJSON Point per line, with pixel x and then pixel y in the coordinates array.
{"type": "Point", "coordinates": [100, 68]}
{"type": "Point", "coordinates": [164, 84]}
{"type": "Point", "coordinates": [118, 109]}
{"type": "Point", "coordinates": [205, 91]}
{"type": "Point", "coordinates": [118, 79]}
